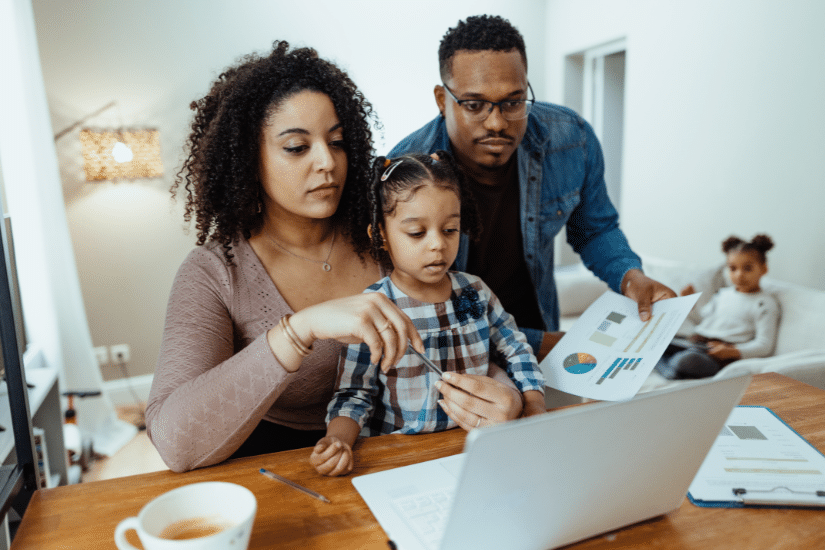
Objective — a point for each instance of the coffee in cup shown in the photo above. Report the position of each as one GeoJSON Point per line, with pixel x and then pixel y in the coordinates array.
{"type": "Point", "coordinates": [211, 515]}
{"type": "Point", "coordinates": [194, 528]}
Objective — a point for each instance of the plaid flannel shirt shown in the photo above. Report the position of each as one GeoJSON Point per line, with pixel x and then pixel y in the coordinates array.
{"type": "Point", "coordinates": [404, 400]}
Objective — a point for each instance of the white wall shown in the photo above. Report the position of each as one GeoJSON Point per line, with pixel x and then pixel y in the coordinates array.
{"type": "Point", "coordinates": [49, 287]}
{"type": "Point", "coordinates": [724, 117]}
{"type": "Point", "coordinates": [724, 122]}
{"type": "Point", "coordinates": [154, 57]}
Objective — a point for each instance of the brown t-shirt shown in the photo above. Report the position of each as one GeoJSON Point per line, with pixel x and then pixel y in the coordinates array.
{"type": "Point", "coordinates": [498, 256]}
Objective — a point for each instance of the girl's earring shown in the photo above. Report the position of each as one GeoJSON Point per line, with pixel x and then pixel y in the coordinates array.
{"type": "Point", "coordinates": [260, 207]}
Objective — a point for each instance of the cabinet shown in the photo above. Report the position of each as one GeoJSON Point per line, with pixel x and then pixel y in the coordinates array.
{"type": "Point", "coordinates": [46, 414]}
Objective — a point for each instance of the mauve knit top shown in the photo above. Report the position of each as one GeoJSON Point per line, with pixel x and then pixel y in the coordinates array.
{"type": "Point", "coordinates": [216, 376]}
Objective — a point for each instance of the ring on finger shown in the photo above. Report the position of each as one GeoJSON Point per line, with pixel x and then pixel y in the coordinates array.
{"type": "Point", "coordinates": [478, 423]}
{"type": "Point", "coordinates": [386, 326]}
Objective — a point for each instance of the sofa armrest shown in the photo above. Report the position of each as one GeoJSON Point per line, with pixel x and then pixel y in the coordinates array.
{"type": "Point", "coordinates": [806, 366]}
{"type": "Point", "coordinates": [577, 288]}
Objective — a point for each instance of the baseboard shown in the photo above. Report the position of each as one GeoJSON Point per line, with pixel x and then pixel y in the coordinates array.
{"type": "Point", "coordinates": [119, 391]}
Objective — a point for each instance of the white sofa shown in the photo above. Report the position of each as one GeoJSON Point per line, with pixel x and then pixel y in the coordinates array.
{"type": "Point", "coordinates": [800, 346]}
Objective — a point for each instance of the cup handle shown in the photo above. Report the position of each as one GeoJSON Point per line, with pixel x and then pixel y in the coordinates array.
{"type": "Point", "coordinates": [120, 533]}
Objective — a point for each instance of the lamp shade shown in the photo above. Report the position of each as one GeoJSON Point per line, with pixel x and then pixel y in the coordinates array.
{"type": "Point", "coordinates": [121, 154]}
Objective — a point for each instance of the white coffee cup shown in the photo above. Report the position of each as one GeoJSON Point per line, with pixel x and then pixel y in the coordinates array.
{"type": "Point", "coordinates": [198, 508]}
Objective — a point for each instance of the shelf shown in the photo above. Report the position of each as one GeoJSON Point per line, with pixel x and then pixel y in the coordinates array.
{"type": "Point", "coordinates": [11, 480]}
{"type": "Point", "coordinates": [42, 378]}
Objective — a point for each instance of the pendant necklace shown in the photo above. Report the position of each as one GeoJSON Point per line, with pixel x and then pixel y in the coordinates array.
{"type": "Point", "coordinates": [324, 263]}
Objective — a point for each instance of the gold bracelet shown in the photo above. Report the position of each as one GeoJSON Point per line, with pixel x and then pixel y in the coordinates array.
{"type": "Point", "coordinates": [299, 346]}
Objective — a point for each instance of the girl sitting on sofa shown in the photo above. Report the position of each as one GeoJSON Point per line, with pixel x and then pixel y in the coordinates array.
{"type": "Point", "coordinates": [739, 322]}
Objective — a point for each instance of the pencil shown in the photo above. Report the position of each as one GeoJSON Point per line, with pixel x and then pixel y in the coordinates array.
{"type": "Point", "coordinates": [427, 363]}
{"type": "Point", "coordinates": [276, 477]}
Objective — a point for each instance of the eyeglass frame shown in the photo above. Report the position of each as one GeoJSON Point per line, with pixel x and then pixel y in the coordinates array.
{"type": "Point", "coordinates": [528, 103]}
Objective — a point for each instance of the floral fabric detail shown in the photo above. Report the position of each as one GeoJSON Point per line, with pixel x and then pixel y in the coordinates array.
{"type": "Point", "coordinates": [468, 303]}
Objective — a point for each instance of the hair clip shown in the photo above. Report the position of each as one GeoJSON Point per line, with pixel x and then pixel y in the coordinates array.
{"type": "Point", "coordinates": [389, 170]}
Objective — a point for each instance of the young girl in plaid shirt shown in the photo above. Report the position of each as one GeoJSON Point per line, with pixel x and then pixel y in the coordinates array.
{"type": "Point", "coordinates": [418, 206]}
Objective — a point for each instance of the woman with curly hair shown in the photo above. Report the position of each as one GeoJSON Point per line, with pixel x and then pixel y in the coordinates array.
{"type": "Point", "coordinates": [280, 148]}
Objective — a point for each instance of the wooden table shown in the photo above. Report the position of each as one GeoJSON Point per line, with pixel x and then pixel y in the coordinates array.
{"type": "Point", "coordinates": [84, 516]}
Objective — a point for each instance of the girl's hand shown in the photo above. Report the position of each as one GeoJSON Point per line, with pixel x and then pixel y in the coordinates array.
{"type": "Point", "coordinates": [332, 457]}
{"type": "Point", "coordinates": [370, 318]}
{"type": "Point", "coordinates": [473, 400]}
{"type": "Point", "coordinates": [723, 351]}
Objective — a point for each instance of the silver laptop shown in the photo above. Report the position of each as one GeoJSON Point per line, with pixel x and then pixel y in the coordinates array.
{"type": "Point", "coordinates": [550, 480]}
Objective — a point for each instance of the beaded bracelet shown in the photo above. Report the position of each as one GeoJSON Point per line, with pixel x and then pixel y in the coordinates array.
{"type": "Point", "coordinates": [299, 346]}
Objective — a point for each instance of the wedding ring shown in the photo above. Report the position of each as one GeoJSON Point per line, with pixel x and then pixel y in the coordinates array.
{"type": "Point", "coordinates": [385, 327]}
{"type": "Point", "coordinates": [479, 422]}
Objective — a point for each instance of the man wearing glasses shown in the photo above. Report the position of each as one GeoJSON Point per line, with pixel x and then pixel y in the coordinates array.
{"type": "Point", "coordinates": [534, 167]}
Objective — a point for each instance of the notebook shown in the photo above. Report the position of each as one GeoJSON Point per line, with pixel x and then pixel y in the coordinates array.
{"type": "Point", "coordinates": [553, 479]}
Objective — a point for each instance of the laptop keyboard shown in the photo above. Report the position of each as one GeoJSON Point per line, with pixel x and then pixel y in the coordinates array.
{"type": "Point", "coordinates": [426, 514]}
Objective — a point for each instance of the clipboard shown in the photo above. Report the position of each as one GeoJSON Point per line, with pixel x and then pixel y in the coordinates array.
{"type": "Point", "coordinates": [758, 460]}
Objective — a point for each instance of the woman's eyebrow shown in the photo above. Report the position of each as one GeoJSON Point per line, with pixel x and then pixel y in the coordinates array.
{"type": "Point", "coordinates": [304, 132]}
{"type": "Point", "coordinates": [294, 131]}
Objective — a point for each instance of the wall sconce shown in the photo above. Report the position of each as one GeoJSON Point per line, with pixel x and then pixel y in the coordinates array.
{"type": "Point", "coordinates": [121, 154]}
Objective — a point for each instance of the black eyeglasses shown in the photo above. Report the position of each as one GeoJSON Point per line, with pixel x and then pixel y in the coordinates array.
{"type": "Point", "coordinates": [480, 109]}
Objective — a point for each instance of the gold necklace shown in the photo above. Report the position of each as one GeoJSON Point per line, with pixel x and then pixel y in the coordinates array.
{"type": "Point", "coordinates": [324, 263]}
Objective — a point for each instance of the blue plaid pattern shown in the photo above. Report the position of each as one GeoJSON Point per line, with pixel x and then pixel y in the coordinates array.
{"type": "Point", "coordinates": [404, 399]}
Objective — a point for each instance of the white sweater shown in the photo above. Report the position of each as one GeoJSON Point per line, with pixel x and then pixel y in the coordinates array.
{"type": "Point", "coordinates": [748, 320]}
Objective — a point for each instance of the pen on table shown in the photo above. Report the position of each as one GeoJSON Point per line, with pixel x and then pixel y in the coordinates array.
{"type": "Point", "coordinates": [276, 477]}
{"type": "Point", "coordinates": [392, 545]}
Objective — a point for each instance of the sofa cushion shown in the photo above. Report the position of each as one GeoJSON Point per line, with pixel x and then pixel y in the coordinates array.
{"type": "Point", "coordinates": [802, 321]}
{"type": "Point", "coordinates": [577, 288]}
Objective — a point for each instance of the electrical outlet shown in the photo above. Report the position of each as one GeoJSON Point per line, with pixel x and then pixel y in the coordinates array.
{"type": "Point", "coordinates": [120, 353]}
{"type": "Point", "coordinates": [102, 354]}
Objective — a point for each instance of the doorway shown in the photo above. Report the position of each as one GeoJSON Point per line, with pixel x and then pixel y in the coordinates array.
{"type": "Point", "coordinates": [594, 87]}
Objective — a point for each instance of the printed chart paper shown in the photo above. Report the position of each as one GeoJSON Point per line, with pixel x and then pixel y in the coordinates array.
{"type": "Point", "coordinates": [760, 454]}
{"type": "Point", "coordinates": [610, 352]}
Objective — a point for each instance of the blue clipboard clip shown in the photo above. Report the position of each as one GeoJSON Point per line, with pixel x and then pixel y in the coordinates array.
{"type": "Point", "coordinates": [779, 496]}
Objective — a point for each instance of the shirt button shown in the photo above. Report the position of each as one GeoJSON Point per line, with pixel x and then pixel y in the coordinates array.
{"type": "Point", "coordinates": [532, 178]}
{"type": "Point", "coordinates": [531, 218]}
{"type": "Point", "coordinates": [558, 212]}
{"type": "Point", "coordinates": [529, 256]}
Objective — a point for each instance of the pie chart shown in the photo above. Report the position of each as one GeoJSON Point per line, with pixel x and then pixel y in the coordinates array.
{"type": "Point", "coordinates": [579, 363]}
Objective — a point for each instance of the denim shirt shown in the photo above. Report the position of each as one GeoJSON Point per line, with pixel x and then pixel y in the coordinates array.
{"type": "Point", "coordinates": [561, 182]}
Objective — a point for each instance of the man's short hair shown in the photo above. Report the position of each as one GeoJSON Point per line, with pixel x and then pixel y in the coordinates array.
{"type": "Point", "coordinates": [479, 33]}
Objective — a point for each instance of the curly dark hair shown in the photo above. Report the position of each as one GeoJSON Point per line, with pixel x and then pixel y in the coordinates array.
{"type": "Point", "coordinates": [760, 244]}
{"type": "Point", "coordinates": [220, 176]}
{"type": "Point", "coordinates": [479, 33]}
{"type": "Point", "coordinates": [404, 176]}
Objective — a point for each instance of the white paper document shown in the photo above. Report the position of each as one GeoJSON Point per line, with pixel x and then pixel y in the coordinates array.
{"type": "Point", "coordinates": [610, 351]}
{"type": "Point", "coordinates": [758, 459]}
